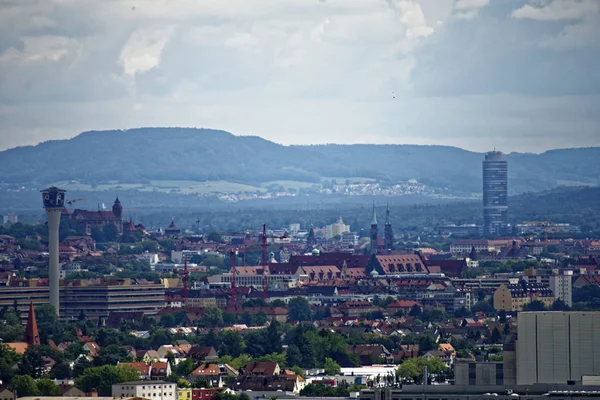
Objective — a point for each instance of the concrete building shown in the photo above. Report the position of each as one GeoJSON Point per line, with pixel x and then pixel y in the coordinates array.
{"type": "Point", "coordinates": [560, 282]}
{"type": "Point", "coordinates": [495, 194]}
{"type": "Point", "coordinates": [336, 229]}
{"type": "Point", "coordinates": [479, 373]}
{"type": "Point", "coordinates": [557, 347]}
{"type": "Point", "coordinates": [96, 298]}
{"type": "Point", "coordinates": [54, 203]}
{"type": "Point", "coordinates": [146, 389]}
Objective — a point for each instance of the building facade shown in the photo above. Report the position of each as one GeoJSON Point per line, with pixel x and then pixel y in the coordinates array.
{"type": "Point", "coordinates": [145, 389]}
{"type": "Point", "coordinates": [495, 194]}
{"type": "Point", "coordinates": [557, 347]}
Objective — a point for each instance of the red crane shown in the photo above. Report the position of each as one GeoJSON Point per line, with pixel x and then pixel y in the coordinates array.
{"type": "Point", "coordinates": [186, 290]}
{"type": "Point", "coordinates": [264, 265]}
{"type": "Point", "coordinates": [233, 285]}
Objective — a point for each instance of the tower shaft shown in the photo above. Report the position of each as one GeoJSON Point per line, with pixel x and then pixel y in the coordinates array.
{"type": "Point", "coordinates": [54, 273]}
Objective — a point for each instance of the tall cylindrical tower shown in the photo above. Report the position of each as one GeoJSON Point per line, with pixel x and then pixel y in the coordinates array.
{"type": "Point", "coordinates": [54, 201]}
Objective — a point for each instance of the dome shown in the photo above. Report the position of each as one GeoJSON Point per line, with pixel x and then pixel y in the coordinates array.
{"type": "Point", "coordinates": [316, 252]}
{"type": "Point", "coordinates": [374, 273]}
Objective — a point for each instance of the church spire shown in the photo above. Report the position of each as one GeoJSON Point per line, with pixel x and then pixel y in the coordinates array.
{"type": "Point", "coordinates": [387, 214]}
{"type": "Point", "coordinates": [374, 218]}
{"type": "Point", "coordinates": [32, 336]}
{"type": "Point", "coordinates": [374, 233]}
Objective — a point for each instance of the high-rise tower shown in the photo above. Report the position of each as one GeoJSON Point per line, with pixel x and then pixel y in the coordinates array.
{"type": "Point", "coordinates": [374, 232]}
{"type": "Point", "coordinates": [54, 203]}
{"type": "Point", "coordinates": [388, 232]}
{"type": "Point", "coordinates": [495, 194]}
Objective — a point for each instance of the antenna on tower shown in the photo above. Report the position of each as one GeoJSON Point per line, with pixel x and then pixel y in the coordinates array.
{"type": "Point", "coordinates": [264, 262]}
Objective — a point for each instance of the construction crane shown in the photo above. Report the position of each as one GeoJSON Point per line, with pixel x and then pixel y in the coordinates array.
{"type": "Point", "coordinates": [71, 201]}
{"type": "Point", "coordinates": [264, 265]}
{"type": "Point", "coordinates": [232, 257]}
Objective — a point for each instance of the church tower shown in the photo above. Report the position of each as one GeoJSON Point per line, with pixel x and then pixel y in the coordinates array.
{"type": "Point", "coordinates": [388, 232]}
{"type": "Point", "coordinates": [32, 336]}
{"type": "Point", "coordinates": [374, 232]}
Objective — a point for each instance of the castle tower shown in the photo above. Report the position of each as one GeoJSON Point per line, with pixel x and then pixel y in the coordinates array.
{"type": "Point", "coordinates": [54, 203]}
{"type": "Point", "coordinates": [388, 232]}
{"type": "Point", "coordinates": [32, 335]}
{"type": "Point", "coordinates": [374, 232]}
{"type": "Point", "coordinates": [117, 210]}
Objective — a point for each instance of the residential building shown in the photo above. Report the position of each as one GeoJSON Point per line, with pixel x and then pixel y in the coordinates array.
{"type": "Point", "coordinates": [184, 393]}
{"type": "Point", "coordinates": [155, 390]}
{"type": "Point", "coordinates": [557, 347]}
{"type": "Point", "coordinates": [512, 298]}
{"type": "Point", "coordinates": [495, 194]}
{"type": "Point", "coordinates": [559, 281]}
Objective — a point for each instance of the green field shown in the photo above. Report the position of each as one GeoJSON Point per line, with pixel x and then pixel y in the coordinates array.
{"type": "Point", "coordinates": [181, 187]}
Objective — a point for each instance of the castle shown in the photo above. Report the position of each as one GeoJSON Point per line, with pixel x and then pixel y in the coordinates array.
{"type": "Point", "coordinates": [84, 221]}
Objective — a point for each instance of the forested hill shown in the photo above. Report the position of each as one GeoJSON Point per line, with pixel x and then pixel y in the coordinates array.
{"type": "Point", "coordinates": [140, 155]}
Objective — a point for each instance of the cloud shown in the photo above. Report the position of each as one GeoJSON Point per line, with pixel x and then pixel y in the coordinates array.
{"type": "Point", "coordinates": [469, 9]}
{"type": "Point", "coordinates": [558, 10]}
{"type": "Point", "coordinates": [143, 50]}
{"type": "Point", "coordinates": [463, 72]}
{"type": "Point", "coordinates": [40, 49]}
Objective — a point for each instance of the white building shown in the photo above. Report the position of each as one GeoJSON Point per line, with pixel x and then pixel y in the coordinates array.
{"type": "Point", "coordinates": [154, 390]}
{"type": "Point", "coordinates": [294, 228]}
{"type": "Point", "coordinates": [69, 268]}
{"type": "Point", "coordinates": [336, 229]}
{"type": "Point", "coordinates": [151, 258]}
{"type": "Point", "coordinates": [349, 238]}
{"type": "Point", "coordinates": [562, 287]}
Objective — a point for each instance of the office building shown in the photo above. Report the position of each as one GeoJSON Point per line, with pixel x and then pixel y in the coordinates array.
{"type": "Point", "coordinates": [557, 347]}
{"type": "Point", "coordinates": [96, 298]}
{"type": "Point", "coordinates": [495, 194]}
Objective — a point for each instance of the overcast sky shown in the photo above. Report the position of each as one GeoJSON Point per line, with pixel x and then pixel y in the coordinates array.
{"type": "Point", "coordinates": [520, 75]}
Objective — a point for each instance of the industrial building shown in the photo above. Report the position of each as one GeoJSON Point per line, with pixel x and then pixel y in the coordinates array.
{"type": "Point", "coordinates": [557, 347]}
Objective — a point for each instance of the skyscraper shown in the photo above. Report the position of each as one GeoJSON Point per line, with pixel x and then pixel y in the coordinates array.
{"type": "Point", "coordinates": [495, 194]}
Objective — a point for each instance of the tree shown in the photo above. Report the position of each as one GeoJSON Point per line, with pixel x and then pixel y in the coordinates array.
{"type": "Point", "coordinates": [415, 311]}
{"type": "Point", "coordinates": [331, 367]}
{"type": "Point", "coordinates": [535, 305]}
{"type": "Point", "coordinates": [32, 363]}
{"type": "Point", "coordinates": [299, 309]}
{"type": "Point", "coordinates": [8, 359]}
{"type": "Point", "coordinates": [495, 336]}
{"type": "Point", "coordinates": [102, 378]}
{"type": "Point", "coordinates": [24, 385]}
{"type": "Point", "coordinates": [110, 232]}
{"type": "Point", "coordinates": [213, 317]}
{"type": "Point", "coordinates": [47, 387]}
{"type": "Point", "coordinates": [560, 305]}
{"type": "Point", "coordinates": [112, 354]}
{"type": "Point", "coordinates": [185, 367]}
{"type": "Point", "coordinates": [80, 366]}
{"type": "Point", "coordinates": [298, 371]}
{"type": "Point", "coordinates": [274, 337]}
{"type": "Point", "coordinates": [61, 370]}
{"type": "Point", "coordinates": [293, 355]}
{"type": "Point", "coordinates": [98, 235]}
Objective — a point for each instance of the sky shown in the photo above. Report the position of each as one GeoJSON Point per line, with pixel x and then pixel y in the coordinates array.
{"type": "Point", "coordinates": [517, 75]}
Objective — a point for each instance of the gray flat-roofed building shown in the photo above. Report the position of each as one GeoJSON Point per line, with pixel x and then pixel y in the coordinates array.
{"type": "Point", "coordinates": [557, 347]}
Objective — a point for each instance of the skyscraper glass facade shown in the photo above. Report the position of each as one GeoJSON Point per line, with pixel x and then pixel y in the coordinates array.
{"type": "Point", "coordinates": [495, 194]}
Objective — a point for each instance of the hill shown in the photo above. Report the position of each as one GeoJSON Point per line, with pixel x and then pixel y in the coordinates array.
{"type": "Point", "coordinates": [141, 155]}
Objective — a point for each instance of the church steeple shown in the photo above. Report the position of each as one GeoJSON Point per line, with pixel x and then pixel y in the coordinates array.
{"type": "Point", "coordinates": [388, 232]}
{"type": "Point", "coordinates": [374, 232]}
{"type": "Point", "coordinates": [32, 336]}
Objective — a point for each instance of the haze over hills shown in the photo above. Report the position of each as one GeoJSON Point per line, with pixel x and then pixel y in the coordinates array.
{"type": "Point", "coordinates": [141, 155]}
